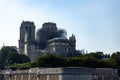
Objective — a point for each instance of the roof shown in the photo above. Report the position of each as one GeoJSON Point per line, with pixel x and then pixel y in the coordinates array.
{"type": "Point", "coordinates": [61, 39]}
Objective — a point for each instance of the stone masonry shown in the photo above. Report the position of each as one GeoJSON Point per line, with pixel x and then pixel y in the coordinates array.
{"type": "Point", "coordinates": [68, 73]}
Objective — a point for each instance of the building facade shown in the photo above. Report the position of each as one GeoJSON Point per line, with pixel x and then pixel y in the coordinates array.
{"type": "Point", "coordinates": [49, 39]}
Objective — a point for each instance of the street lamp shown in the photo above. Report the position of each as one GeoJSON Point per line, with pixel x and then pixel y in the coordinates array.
{"type": "Point", "coordinates": [9, 62]}
{"type": "Point", "coordinates": [9, 70]}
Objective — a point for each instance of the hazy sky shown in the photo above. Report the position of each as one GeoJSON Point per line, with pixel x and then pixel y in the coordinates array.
{"type": "Point", "coordinates": [96, 23]}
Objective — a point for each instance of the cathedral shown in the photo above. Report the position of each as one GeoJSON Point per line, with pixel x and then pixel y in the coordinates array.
{"type": "Point", "coordinates": [48, 39]}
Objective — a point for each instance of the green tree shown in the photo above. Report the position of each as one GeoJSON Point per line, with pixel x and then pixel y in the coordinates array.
{"type": "Point", "coordinates": [16, 58]}
{"type": "Point", "coordinates": [50, 60]}
{"type": "Point", "coordinates": [9, 55]}
{"type": "Point", "coordinates": [1, 61]}
{"type": "Point", "coordinates": [104, 64]}
{"type": "Point", "coordinates": [73, 61]}
{"type": "Point", "coordinates": [5, 50]}
{"type": "Point", "coordinates": [115, 57]}
{"type": "Point", "coordinates": [13, 58]}
{"type": "Point", "coordinates": [94, 55]}
{"type": "Point", "coordinates": [90, 62]}
{"type": "Point", "coordinates": [24, 58]}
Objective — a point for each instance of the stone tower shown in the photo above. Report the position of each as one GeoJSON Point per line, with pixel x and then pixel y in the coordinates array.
{"type": "Point", "coordinates": [72, 41]}
{"type": "Point", "coordinates": [27, 38]}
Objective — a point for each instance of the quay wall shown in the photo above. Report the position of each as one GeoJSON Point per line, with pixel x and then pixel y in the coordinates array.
{"type": "Point", "coordinates": [68, 73]}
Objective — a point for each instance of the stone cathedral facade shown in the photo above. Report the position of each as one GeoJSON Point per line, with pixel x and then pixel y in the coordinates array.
{"type": "Point", "coordinates": [48, 39]}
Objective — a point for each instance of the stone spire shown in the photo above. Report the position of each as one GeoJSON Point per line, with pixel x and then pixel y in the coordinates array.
{"type": "Point", "coordinates": [72, 41]}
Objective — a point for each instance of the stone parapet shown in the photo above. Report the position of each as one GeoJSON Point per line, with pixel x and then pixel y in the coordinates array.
{"type": "Point", "coordinates": [66, 73]}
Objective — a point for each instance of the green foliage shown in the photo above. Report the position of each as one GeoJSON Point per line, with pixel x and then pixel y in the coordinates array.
{"type": "Point", "coordinates": [73, 61]}
{"type": "Point", "coordinates": [24, 58]}
{"type": "Point", "coordinates": [5, 50]}
{"type": "Point", "coordinates": [49, 60]}
{"type": "Point", "coordinates": [89, 62]}
{"type": "Point", "coordinates": [116, 58]}
{"type": "Point", "coordinates": [13, 58]}
{"type": "Point", "coordinates": [9, 55]}
{"type": "Point", "coordinates": [1, 61]}
{"type": "Point", "coordinates": [82, 62]}
{"type": "Point", "coordinates": [21, 66]}
{"type": "Point", "coordinates": [24, 65]}
{"type": "Point", "coordinates": [112, 63]}
{"type": "Point", "coordinates": [86, 60]}
{"type": "Point", "coordinates": [104, 64]}
{"type": "Point", "coordinates": [94, 55]}
{"type": "Point", "coordinates": [33, 64]}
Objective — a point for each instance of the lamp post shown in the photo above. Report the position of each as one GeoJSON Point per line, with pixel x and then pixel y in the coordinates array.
{"type": "Point", "coordinates": [9, 70]}
{"type": "Point", "coordinates": [9, 62]}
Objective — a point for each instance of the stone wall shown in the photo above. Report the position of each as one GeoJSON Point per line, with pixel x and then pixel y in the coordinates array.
{"type": "Point", "coordinates": [1, 76]}
{"type": "Point", "coordinates": [62, 74]}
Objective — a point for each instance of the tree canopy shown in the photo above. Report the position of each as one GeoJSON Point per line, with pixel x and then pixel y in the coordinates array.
{"type": "Point", "coordinates": [9, 55]}
{"type": "Point", "coordinates": [86, 60]}
{"type": "Point", "coordinates": [49, 60]}
{"type": "Point", "coordinates": [115, 58]}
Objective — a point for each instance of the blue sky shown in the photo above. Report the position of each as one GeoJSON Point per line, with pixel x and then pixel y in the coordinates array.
{"type": "Point", "coordinates": [96, 23]}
